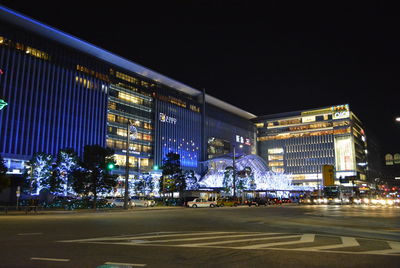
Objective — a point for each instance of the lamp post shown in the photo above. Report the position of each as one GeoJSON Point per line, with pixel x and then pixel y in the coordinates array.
{"type": "Point", "coordinates": [131, 133]}
{"type": "Point", "coordinates": [234, 171]}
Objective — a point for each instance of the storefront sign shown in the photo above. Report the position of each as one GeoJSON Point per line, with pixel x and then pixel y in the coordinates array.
{"type": "Point", "coordinates": [307, 119]}
{"type": "Point", "coordinates": [167, 119]}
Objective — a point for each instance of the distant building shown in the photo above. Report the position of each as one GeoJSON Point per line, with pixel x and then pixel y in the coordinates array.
{"type": "Point", "coordinates": [391, 170]}
{"type": "Point", "coordinates": [299, 143]}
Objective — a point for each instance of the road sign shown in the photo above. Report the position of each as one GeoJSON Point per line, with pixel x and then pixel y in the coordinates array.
{"type": "Point", "coordinates": [328, 175]}
{"type": "Point", "coordinates": [18, 192]}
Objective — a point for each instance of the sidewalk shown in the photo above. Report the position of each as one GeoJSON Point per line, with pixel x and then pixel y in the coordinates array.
{"type": "Point", "coordinates": [41, 211]}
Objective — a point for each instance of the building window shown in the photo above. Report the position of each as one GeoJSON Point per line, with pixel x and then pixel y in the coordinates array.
{"type": "Point", "coordinates": [396, 159]}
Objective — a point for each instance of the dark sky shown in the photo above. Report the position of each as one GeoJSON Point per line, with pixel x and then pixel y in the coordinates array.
{"type": "Point", "coordinates": [285, 56]}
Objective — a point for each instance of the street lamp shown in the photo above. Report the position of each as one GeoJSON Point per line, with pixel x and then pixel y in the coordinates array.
{"type": "Point", "coordinates": [234, 169]}
{"type": "Point", "coordinates": [131, 133]}
{"type": "Point", "coordinates": [397, 119]}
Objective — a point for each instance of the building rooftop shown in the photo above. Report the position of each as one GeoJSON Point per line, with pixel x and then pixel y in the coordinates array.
{"type": "Point", "coordinates": [85, 47]}
{"type": "Point", "coordinates": [306, 112]}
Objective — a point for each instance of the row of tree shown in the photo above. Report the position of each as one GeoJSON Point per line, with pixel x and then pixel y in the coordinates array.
{"type": "Point", "coordinates": [4, 179]}
{"type": "Point", "coordinates": [68, 174]}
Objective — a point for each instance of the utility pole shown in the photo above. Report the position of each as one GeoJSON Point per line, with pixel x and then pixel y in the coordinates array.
{"type": "Point", "coordinates": [126, 195]}
{"type": "Point", "coordinates": [234, 171]}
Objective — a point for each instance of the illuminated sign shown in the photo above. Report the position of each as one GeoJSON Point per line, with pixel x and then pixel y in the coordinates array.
{"type": "Point", "coordinates": [242, 140]}
{"type": "Point", "coordinates": [275, 151]}
{"type": "Point", "coordinates": [307, 119]}
{"type": "Point", "coordinates": [167, 119]}
{"type": "Point", "coordinates": [340, 111]}
{"type": "Point", "coordinates": [2, 104]}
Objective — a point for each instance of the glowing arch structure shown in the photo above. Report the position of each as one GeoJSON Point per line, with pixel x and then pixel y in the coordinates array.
{"type": "Point", "coordinates": [262, 177]}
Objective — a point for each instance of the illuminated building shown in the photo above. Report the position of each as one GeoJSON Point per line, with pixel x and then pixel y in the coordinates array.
{"type": "Point", "coordinates": [62, 92]}
{"type": "Point", "coordinates": [299, 143]}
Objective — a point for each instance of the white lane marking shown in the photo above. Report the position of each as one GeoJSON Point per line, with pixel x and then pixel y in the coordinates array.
{"type": "Point", "coordinates": [203, 238]}
{"type": "Point", "coordinates": [49, 259]}
{"type": "Point", "coordinates": [238, 241]}
{"type": "Point", "coordinates": [117, 238]}
{"type": "Point", "coordinates": [306, 238]}
{"type": "Point", "coordinates": [395, 248]}
{"type": "Point", "coordinates": [30, 234]}
{"type": "Point", "coordinates": [127, 264]}
{"type": "Point", "coordinates": [346, 242]}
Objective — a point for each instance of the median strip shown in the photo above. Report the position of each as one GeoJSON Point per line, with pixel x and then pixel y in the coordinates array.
{"type": "Point", "coordinates": [126, 264]}
{"type": "Point", "coordinates": [49, 259]}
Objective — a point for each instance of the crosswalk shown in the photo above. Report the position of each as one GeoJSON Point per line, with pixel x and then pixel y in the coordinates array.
{"type": "Point", "coordinates": [253, 241]}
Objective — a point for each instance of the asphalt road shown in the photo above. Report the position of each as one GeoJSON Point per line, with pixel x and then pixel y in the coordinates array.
{"type": "Point", "coordinates": [275, 236]}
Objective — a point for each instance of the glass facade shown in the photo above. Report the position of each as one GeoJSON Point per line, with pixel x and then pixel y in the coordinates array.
{"type": "Point", "coordinates": [65, 93]}
{"type": "Point", "coordinates": [300, 143]}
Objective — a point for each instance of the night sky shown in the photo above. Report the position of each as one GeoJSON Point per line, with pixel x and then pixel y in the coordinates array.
{"type": "Point", "coordinates": [286, 56]}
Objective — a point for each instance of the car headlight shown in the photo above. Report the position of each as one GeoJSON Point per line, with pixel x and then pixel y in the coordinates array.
{"type": "Point", "coordinates": [366, 200]}
{"type": "Point", "coordinates": [390, 202]}
{"type": "Point", "coordinates": [337, 200]}
{"type": "Point", "coordinates": [374, 201]}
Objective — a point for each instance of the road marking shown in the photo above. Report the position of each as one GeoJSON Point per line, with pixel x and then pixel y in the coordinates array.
{"type": "Point", "coordinates": [113, 238]}
{"type": "Point", "coordinates": [203, 238]}
{"type": "Point", "coordinates": [238, 241]}
{"type": "Point", "coordinates": [395, 248]}
{"type": "Point", "coordinates": [346, 242]}
{"type": "Point", "coordinates": [30, 234]}
{"type": "Point", "coordinates": [306, 238]}
{"type": "Point", "coordinates": [226, 240]}
{"type": "Point", "coordinates": [49, 259]}
{"type": "Point", "coordinates": [127, 264]}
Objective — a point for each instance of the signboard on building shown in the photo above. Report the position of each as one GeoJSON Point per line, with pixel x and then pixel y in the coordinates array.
{"type": "Point", "coordinates": [167, 119]}
{"type": "Point", "coordinates": [340, 111]}
{"type": "Point", "coordinates": [328, 175]}
{"type": "Point", "coordinates": [2, 104]}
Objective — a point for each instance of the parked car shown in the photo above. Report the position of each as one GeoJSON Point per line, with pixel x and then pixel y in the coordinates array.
{"type": "Point", "coordinates": [227, 202]}
{"type": "Point", "coordinates": [257, 202]}
{"type": "Point", "coordinates": [199, 202]}
{"type": "Point", "coordinates": [286, 200]}
{"type": "Point", "coordinates": [275, 201]}
{"type": "Point", "coordinates": [119, 202]}
{"type": "Point", "coordinates": [142, 202]}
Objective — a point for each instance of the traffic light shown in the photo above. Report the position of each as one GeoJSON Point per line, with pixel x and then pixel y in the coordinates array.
{"type": "Point", "coordinates": [155, 167]}
{"type": "Point", "coordinates": [110, 166]}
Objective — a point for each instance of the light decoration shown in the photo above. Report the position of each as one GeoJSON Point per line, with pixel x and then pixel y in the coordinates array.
{"type": "Point", "coordinates": [261, 177]}
{"type": "Point", "coordinates": [68, 163]}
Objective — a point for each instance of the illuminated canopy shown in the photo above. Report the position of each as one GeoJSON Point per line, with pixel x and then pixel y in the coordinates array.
{"type": "Point", "coordinates": [260, 179]}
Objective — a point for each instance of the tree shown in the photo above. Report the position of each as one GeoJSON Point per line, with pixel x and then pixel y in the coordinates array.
{"type": "Point", "coordinates": [40, 172]}
{"type": "Point", "coordinates": [93, 177]}
{"type": "Point", "coordinates": [227, 181]}
{"type": "Point", "coordinates": [191, 180]}
{"type": "Point", "coordinates": [244, 177]}
{"type": "Point", "coordinates": [61, 179]}
{"type": "Point", "coordinates": [172, 179]}
{"type": "Point", "coordinates": [4, 178]}
{"type": "Point", "coordinates": [145, 184]}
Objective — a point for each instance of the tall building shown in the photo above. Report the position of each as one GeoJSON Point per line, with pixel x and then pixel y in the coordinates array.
{"type": "Point", "coordinates": [300, 143]}
{"type": "Point", "coordinates": [63, 92]}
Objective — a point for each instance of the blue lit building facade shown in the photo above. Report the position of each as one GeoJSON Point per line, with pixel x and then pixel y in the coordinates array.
{"type": "Point", "coordinates": [65, 93]}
